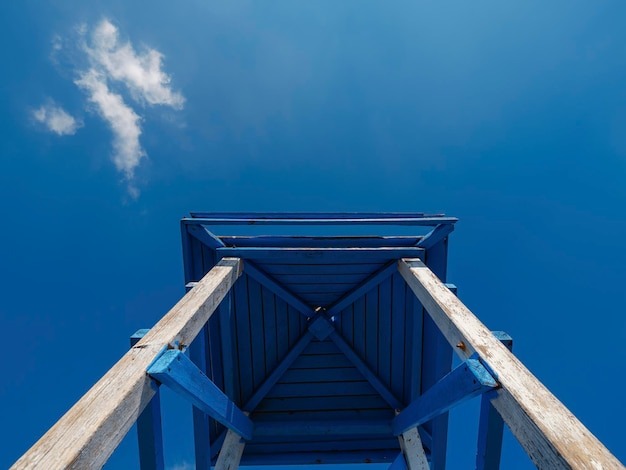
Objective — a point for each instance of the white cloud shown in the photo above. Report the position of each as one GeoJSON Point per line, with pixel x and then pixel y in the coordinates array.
{"type": "Point", "coordinates": [124, 122]}
{"type": "Point", "coordinates": [140, 73]}
{"type": "Point", "coordinates": [56, 119]}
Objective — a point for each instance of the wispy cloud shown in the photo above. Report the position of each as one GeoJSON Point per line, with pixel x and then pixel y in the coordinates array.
{"type": "Point", "coordinates": [141, 73]}
{"type": "Point", "coordinates": [112, 75]}
{"type": "Point", "coordinates": [124, 122]}
{"type": "Point", "coordinates": [56, 119]}
{"type": "Point", "coordinates": [182, 466]}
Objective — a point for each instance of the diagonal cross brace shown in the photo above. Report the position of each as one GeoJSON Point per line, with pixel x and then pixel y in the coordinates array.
{"type": "Point", "coordinates": [176, 370]}
{"type": "Point", "coordinates": [468, 380]}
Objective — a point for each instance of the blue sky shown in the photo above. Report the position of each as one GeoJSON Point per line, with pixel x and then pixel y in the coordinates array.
{"type": "Point", "coordinates": [119, 118]}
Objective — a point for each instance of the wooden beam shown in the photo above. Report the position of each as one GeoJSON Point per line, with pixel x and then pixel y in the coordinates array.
{"type": "Point", "coordinates": [468, 380]}
{"type": "Point", "coordinates": [89, 432]}
{"type": "Point", "coordinates": [371, 377]}
{"type": "Point", "coordinates": [278, 372]}
{"type": "Point", "coordinates": [364, 287]}
{"type": "Point", "coordinates": [322, 428]}
{"type": "Point", "coordinates": [321, 255]}
{"type": "Point", "coordinates": [490, 424]}
{"type": "Point", "coordinates": [270, 283]}
{"type": "Point", "coordinates": [437, 234]}
{"type": "Point", "coordinates": [149, 431]}
{"type": "Point", "coordinates": [176, 370]}
{"type": "Point", "coordinates": [413, 451]}
{"type": "Point", "coordinates": [203, 235]}
{"type": "Point", "coordinates": [231, 452]}
{"type": "Point", "coordinates": [550, 434]}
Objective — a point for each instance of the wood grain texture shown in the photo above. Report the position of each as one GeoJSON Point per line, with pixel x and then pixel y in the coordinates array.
{"type": "Point", "coordinates": [413, 451]}
{"type": "Point", "coordinates": [89, 432]}
{"type": "Point", "coordinates": [231, 452]}
{"type": "Point", "coordinates": [550, 434]}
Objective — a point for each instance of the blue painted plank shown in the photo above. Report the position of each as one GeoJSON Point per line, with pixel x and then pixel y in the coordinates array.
{"type": "Point", "coordinates": [323, 287]}
{"type": "Point", "coordinates": [345, 324]}
{"type": "Point", "coordinates": [311, 215]}
{"type": "Point", "coordinates": [384, 334]}
{"type": "Point", "coordinates": [398, 332]}
{"type": "Point", "coordinates": [177, 371]}
{"type": "Point", "coordinates": [277, 373]}
{"type": "Point", "coordinates": [436, 357]}
{"type": "Point", "coordinates": [367, 285]}
{"type": "Point", "coordinates": [321, 255]}
{"type": "Point", "coordinates": [320, 389]}
{"type": "Point", "coordinates": [198, 353]}
{"type": "Point", "coordinates": [371, 330]}
{"type": "Point", "coordinates": [187, 257]}
{"type": "Point", "coordinates": [358, 309]}
{"type": "Point", "coordinates": [149, 430]}
{"type": "Point", "coordinates": [325, 428]}
{"type": "Point", "coordinates": [226, 327]}
{"type": "Point", "coordinates": [343, 374]}
{"type": "Point", "coordinates": [436, 235]}
{"type": "Point", "coordinates": [320, 242]}
{"type": "Point", "coordinates": [257, 332]}
{"type": "Point", "coordinates": [325, 269]}
{"type": "Point", "coordinates": [266, 280]}
{"type": "Point", "coordinates": [317, 347]}
{"type": "Point", "coordinates": [320, 300]}
{"type": "Point", "coordinates": [325, 361]}
{"type": "Point", "coordinates": [464, 382]}
{"type": "Point", "coordinates": [243, 336]}
{"type": "Point", "coordinates": [332, 455]}
{"type": "Point", "coordinates": [348, 414]}
{"type": "Point", "coordinates": [282, 328]}
{"type": "Point", "coordinates": [413, 353]}
{"type": "Point", "coordinates": [270, 329]}
{"type": "Point", "coordinates": [325, 404]}
{"type": "Point", "coordinates": [294, 317]}
{"type": "Point", "coordinates": [332, 278]}
{"type": "Point", "coordinates": [372, 378]}
{"type": "Point", "coordinates": [203, 235]}
{"type": "Point", "coordinates": [490, 424]}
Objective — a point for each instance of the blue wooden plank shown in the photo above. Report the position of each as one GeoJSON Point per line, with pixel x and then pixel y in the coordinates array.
{"type": "Point", "coordinates": [328, 456]}
{"type": "Point", "coordinates": [384, 334]}
{"type": "Point", "coordinates": [187, 257]}
{"type": "Point", "coordinates": [325, 428]}
{"type": "Point", "coordinates": [270, 327]}
{"type": "Point", "coordinates": [320, 300]}
{"type": "Point", "coordinates": [345, 324]}
{"type": "Point", "coordinates": [363, 288]}
{"type": "Point", "coordinates": [414, 343]}
{"type": "Point", "coordinates": [149, 430]}
{"type": "Point", "coordinates": [399, 463]}
{"type": "Point", "coordinates": [347, 414]}
{"type": "Point", "coordinates": [343, 374]}
{"type": "Point", "coordinates": [198, 353]}
{"type": "Point", "coordinates": [364, 269]}
{"type": "Point", "coordinates": [398, 332]}
{"type": "Point", "coordinates": [323, 287]}
{"type": "Point", "coordinates": [177, 371]}
{"type": "Point", "coordinates": [203, 235]}
{"type": "Point", "coordinates": [226, 326]}
{"type": "Point", "coordinates": [490, 424]}
{"type": "Point", "coordinates": [371, 330]}
{"type": "Point", "coordinates": [266, 280]}
{"type": "Point", "coordinates": [372, 378]}
{"type": "Point", "coordinates": [300, 279]}
{"type": "Point", "coordinates": [320, 242]}
{"type": "Point", "coordinates": [436, 358]}
{"type": "Point", "coordinates": [464, 382]}
{"type": "Point", "coordinates": [324, 404]}
{"type": "Point", "coordinates": [243, 337]}
{"type": "Point", "coordinates": [326, 361]}
{"type": "Point", "coordinates": [282, 328]}
{"type": "Point", "coordinates": [277, 373]}
{"type": "Point", "coordinates": [317, 347]}
{"type": "Point", "coordinates": [257, 332]}
{"type": "Point", "coordinates": [320, 255]}
{"type": "Point", "coordinates": [293, 325]}
{"type": "Point", "coordinates": [320, 389]}
{"type": "Point", "coordinates": [310, 215]}
{"type": "Point", "coordinates": [436, 235]}
{"type": "Point", "coordinates": [358, 309]}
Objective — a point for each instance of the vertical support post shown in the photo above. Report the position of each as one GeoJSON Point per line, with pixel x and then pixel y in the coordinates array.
{"type": "Point", "coordinates": [490, 424]}
{"type": "Point", "coordinates": [202, 432]}
{"type": "Point", "coordinates": [149, 431]}
{"type": "Point", "coordinates": [231, 452]}
{"type": "Point", "coordinates": [436, 355]}
{"type": "Point", "coordinates": [413, 450]}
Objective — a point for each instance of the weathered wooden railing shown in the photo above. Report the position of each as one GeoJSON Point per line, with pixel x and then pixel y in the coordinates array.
{"type": "Point", "coordinates": [87, 435]}
{"type": "Point", "coordinates": [549, 433]}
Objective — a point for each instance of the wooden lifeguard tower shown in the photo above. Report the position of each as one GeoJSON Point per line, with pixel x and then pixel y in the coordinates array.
{"type": "Point", "coordinates": [334, 347]}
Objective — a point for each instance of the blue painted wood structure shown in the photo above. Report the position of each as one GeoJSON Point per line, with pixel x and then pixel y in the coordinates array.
{"type": "Point", "coordinates": [320, 340]}
{"type": "Point", "coordinates": [311, 340]}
